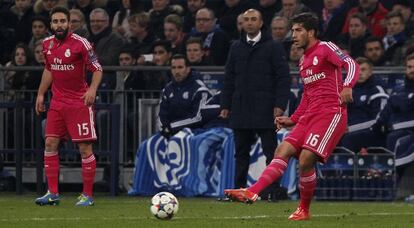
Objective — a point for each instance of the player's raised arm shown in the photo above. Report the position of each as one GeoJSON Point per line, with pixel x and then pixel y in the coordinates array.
{"type": "Point", "coordinates": [44, 85]}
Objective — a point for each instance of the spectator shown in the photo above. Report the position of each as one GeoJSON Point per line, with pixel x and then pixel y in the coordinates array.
{"type": "Point", "coordinates": [374, 51]}
{"type": "Point", "coordinates": [195, 52]}
{"type": "Point", "coordinates": [106, 43]}
{"type": "Point", "coordinates": [281, 32]}
{"type": "Point", "coordinates": [161, 54]}
{"type": "Point", "coordinates": [16, 80]}
{"type": "Point", "coordinates": [215, 41]}
{"type": "Point", "coordinates": [34, 78]}
{"type": "Point", "coordinates": [43, 7]}
{"type": "Point", "coordinates": [280, 28]}
{"type": "Point", "coordinates": [40, 30]}
{"type": "Point", "coordinates": [39, 58]}
{"type": "Point", "coordinates": [256, 90]}
{"type": "Point", "coordinates": [369, 98]}
{"type": "Point", "coordinates": [173, 32]}
{"type": "Point", "coordinates": [86, 6]}
{"type": "Point", "coordinates": [268, 8]}
{"type": "Point", "coordinates": [19, 19]}
{"type": "Point", "coordinates": [374, 11]}
{"type": "Point", "coordinates": [182, 99]}
{"type": "Point", "coordinates": [239, 24]}
{"type": "Point", "coordinates": [227, 16]}
{"type": "Point", "coordinates": [77, 23]}
{"type": "Point", "coordinates": [292, 7]}
{"type": "Point", "coordinates": [189, 18]}
{"type": "Point", "coordinates": [395, 41]}
{"type": "Point", "coordinates": [333, 17]}
{"type": "Point", "coordinates": [128, 80]}
{"type": "Point", "coordinates": [295, 54]}
{"type": "Point", "coordinates": [404, 7]}
{"type": "Point", "coordinates": [120, 22]}
{"type": "Point", "coordinates": [161, 9]}
{"type": "Point", "coordinates": [354, 40]}
{"type": "Point", "coordinates": [141, 36]}
{"type": "Point", "coordinates": [396, 120]}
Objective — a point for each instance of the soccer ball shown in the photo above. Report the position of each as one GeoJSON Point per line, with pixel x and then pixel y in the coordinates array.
{"type": "Point", "coordinates": [164, 205]}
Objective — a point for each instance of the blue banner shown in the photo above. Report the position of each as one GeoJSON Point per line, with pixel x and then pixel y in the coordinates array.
{"type": "Point", "coordinates": [192, 163]}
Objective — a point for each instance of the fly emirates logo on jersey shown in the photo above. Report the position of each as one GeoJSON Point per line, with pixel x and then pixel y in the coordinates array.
{"type": "Point", "coordinates": [58, 66]}
{"type": "Point", "coordinates": [310, 76]}
{"type": "Point", "coordinates": [313, 77]}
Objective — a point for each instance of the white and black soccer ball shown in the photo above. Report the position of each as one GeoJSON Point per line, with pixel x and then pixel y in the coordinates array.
{"type": "Point", "coordinates": [164, 205]}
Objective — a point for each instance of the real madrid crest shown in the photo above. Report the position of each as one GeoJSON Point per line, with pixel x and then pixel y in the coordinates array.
{"type": "Point", "coordinates": [67, 53]}
{"type": "Point", "coordinates": [315, 61]}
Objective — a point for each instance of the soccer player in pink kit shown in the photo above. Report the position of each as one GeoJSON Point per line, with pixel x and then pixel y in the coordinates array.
{"type": "Point", "coordinates": [320, 120]}
{"type": "Point", "coordinates": [71, 111]}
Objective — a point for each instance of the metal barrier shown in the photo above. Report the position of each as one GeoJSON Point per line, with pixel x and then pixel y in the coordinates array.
{"type": "Point", "coordinates": [124, 119]}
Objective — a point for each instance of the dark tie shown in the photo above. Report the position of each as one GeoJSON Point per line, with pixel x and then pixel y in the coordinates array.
{"type": "Point", "coordinates": [251, 42]}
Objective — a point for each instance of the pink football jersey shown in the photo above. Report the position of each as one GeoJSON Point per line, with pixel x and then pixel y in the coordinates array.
{"type": "Point", "coordinates": [68, 60]}
{"type": "Point", "coordinates": [321, 73]}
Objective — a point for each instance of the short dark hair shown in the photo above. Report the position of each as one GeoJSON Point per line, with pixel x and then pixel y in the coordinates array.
{"type": "Point", "coordinates": [128, 49]}
{"type": "Point", "coordinates": [373, 39]}
{"type": "Point", "coordinates": [164, 43]}
{"type": "Point", "coordinates": [361, 17]}
{"type": "Point", "coordinates": [194, 40]}
{"type": "Point", "coordinates": [309, 21]}
{"type": "Point", "coordinates": [362, 60]}
{"type": "Point", "coordinates": [180, 56]}
{"type": "Point", "coordinates": [409, 57]}
{"type": "Point", "coordinates": [393, 14]}
{"type": "Point", "coordinates": [60, 9]}
{"type": "Point", "coordinates": [41, 19]}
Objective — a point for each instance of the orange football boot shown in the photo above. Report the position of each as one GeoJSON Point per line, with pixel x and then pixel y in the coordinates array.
{"type": "Point", "coordinates": [300, 214]}
{"type": "Point", "coordinates": [241, 195]}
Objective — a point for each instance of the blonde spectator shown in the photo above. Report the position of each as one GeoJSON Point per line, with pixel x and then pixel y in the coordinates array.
{"type": "Point", "coordinates": [77, 23]}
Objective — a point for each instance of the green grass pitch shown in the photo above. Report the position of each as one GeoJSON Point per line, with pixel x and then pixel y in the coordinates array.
{"type": "Point", "coordinates": [117, 212]}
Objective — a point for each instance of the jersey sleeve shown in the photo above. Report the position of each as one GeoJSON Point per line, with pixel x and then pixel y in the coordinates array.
{"type": "Point", "coordinates": [89, 56]}
{"type": "Point", "coordinates": [340, 59]}
{"type": "Point", "coordinates": [45, 48]}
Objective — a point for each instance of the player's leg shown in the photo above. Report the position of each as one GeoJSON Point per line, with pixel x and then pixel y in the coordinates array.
{"type": "Point", "coordinates": [307, 184]}
{"type": "Point", "coordinates": [271, 174]}
{"type": "Point", "coordinates": [51, 161]}
{"type": "Point", "coordinates": [81, 127]}
{"type": "Point", "coordinates": [88, 173]}
{"type": "Point", "coordinates": [55, 130]}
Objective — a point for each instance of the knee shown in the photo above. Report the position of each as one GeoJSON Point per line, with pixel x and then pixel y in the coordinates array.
{"type": "Point", "coordinates": [285, 151]}
{"type": "Point", "coordinates": [306, 164]}
{"type": "Point", "coordinates": [85, 150]}
{"type": "Point", "coordinates": [51, 144]}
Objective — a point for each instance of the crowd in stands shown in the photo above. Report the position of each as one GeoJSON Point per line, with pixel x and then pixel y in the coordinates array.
{"type": "Point", "coordinates": [150, 32]}
{"type": "Point", "coordinates": [112, 24]}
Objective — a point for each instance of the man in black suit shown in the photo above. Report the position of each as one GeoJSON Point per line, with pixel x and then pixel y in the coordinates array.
{"type": "Point", "coordinates": [256, 90]}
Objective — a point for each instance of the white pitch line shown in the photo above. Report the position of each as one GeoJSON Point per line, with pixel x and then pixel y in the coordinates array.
{"type": "Point", "coordinates": [39, 219]}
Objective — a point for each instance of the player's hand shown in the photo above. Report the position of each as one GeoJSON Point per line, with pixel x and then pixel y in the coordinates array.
{"type": "Point", "coordinates": [224, 113]}
{"type": "Point", "coordinates": [40, 104]}
{"type": "Point", "coordinates": [277, 112]}
{"type": "Point", "coordinates": [283, 122]}
{"type": "Point", "coordinates": [346, 95]}
{"type": "Point", "coordinates": [89, 97]}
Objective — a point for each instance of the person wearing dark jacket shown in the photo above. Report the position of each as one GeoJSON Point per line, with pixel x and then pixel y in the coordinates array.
{"type": "Point", "coordinates": [256, 90]}
{"type": "Point", "coordinates": [369, 98]}
{"type": "Point", "coordinates": [396, 120]}
{"type": "Point", "coordinates": [216, 42]}
{"type": "Point", "coordinates": [182, 99]}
